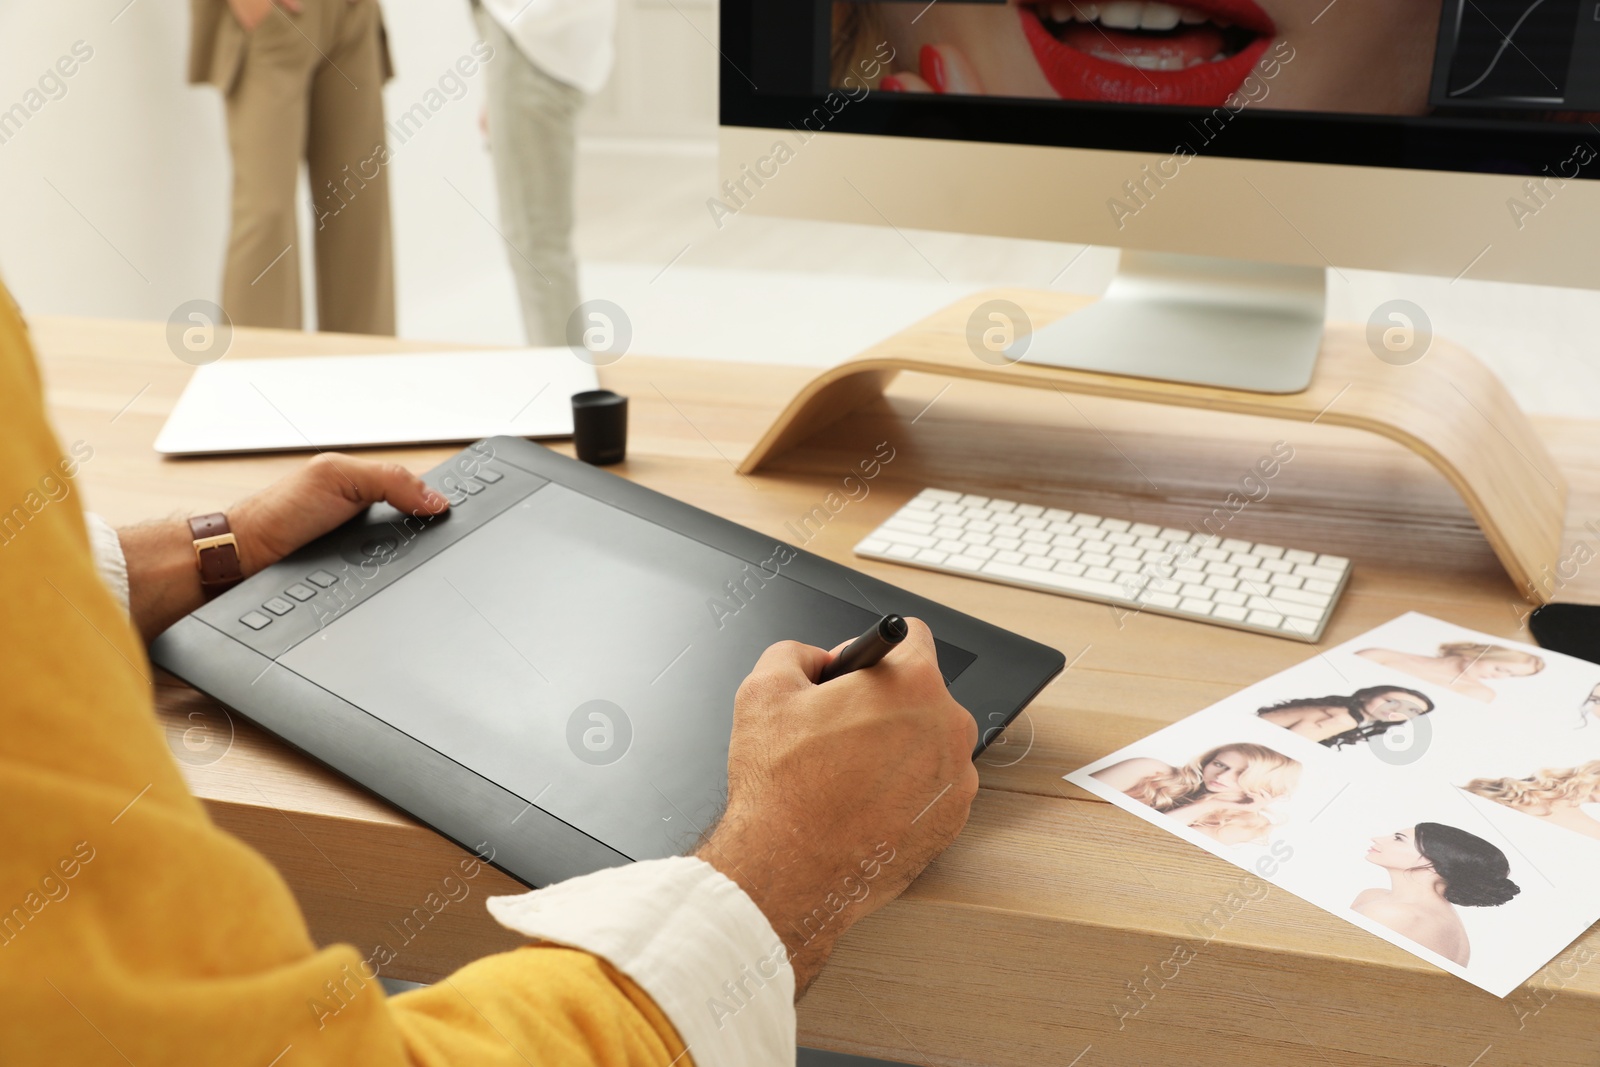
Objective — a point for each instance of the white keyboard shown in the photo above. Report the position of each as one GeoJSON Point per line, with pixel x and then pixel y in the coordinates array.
{"type": "Point", "coordinates": [1264, 588]}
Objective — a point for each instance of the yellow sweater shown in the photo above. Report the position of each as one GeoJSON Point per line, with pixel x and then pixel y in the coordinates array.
{"type": "Point", "coordinates": [132, 930]}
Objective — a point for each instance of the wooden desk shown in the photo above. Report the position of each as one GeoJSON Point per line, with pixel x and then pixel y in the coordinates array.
{"type": "Point", "coordinates": [1013, 947]}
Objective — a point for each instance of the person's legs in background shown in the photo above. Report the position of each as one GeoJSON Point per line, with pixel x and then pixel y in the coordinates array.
{"type": "Point", "coordinates": [266, 109]}
{"type": "Point", "coordinates": [532, 134]}
{"type": "Point", "coordinates": [349, 173]}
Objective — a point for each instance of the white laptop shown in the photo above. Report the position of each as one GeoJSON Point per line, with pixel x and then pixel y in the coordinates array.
{"type": "Point", "coordinates": [262, 405]}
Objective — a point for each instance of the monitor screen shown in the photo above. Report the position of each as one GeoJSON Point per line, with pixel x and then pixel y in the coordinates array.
{"type": "Point", "coordinates": [1498, 86]}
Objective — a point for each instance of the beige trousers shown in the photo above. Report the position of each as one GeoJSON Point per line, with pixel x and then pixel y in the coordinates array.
{"type": "Point", "coordinates": [533, 138]}
{"type": "Point", "coordinates": [310, 87]}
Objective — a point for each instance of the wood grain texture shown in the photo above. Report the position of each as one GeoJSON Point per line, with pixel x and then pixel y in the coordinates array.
{"type": "Point", "coordinates": [1447, 407]}
{"type": "Point", "coordinates": [1012, 948]}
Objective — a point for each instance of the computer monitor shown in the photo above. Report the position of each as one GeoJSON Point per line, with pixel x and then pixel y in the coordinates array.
{"type": "Point", "coordinates": [1234, 149]}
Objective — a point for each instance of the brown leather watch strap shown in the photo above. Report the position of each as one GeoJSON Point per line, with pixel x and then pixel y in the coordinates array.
{"type": "Point", "coordinates": [216, 553]}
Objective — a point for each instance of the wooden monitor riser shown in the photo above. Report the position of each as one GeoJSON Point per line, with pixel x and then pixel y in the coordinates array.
{"type": "Point", "coordinates": [1447, 407]}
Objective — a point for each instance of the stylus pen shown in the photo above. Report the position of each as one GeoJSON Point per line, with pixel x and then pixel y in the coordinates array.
{"type": "Point", "coordinates": [867, 649]}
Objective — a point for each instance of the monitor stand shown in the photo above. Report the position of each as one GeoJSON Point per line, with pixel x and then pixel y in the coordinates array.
{"type": "Point", "coordinates": [1232, 323]}
{"type": "Point", "coordinates": [1445, 406]}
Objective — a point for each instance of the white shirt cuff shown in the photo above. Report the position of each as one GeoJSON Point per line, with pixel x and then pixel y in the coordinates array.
{"type": "Point", "coordinates": [691, 939]}
{"type": "Point", "coordinates": [108, 557]}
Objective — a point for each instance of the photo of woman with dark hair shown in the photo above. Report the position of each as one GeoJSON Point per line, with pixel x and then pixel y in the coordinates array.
{"type": "Point", "coordinates": [1433, 869]}
{"type": "Point", "coordinates": [1461, 666]}
{"type": "Point", "coordinates": [1336, 721]}
{"type": "Point", "coordinates": [1556, 796]}
{"type": "Point", "coordinates": [1225, 793]}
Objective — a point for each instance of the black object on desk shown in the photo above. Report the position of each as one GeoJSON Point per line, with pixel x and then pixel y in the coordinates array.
{"type": "Point", "coordinates": [1571, 629]}
{"type": "Point", "coordinates": [547, 670]}
{"type": "Point", "coordinates": [600, 426]}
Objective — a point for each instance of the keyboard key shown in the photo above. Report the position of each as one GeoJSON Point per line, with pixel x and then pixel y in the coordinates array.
{"type": "Point", "coordinates": [1217, 581]}
{"type": "Point", "coordinates": [979, 552]}
{"type": "Point", "coordinates": [255, 620]}
{"type": "Point", "coordinates": [1005, 542]}
{"type": "Point", "coordinates": [918, 514]}
{"type": "Point", "coordinates": [1223, 596]}
{"type": "Point", "coordinates": [1229, 612]}
{"type": "Point", "coordinates": [1322, 574]}
{"type": "Point", "coordinates": [1245, 559]}
{"type": "Point", "coordinates": [942, 495]}
{"type": "Point", "coordinates": [902, 537]}
{"type": "Point", "coordinates": [930, 555]}
{"type": "Point", "coordinates": [1034, 511]}
{"type": "Point", "coordinates": [1233, 544]}
{"type": "Point", "coordinates": [1174, 534]}
{"type": "Point", "coordinates": [971, 501]}
{"type": "Point", "coordinates": [1165, 585]}
{"type": "Point", "coordinates": [1196, 592]}
{"type": "Point", "coordinates": [473, 486]}
{"type": "Point", "coordinates": [1124, 539]}
{"type": "Point", "coordinates": [322, 578]}
{"type": "Point", "coordinates": [1069, 567]}
{"type": "Point", "coordinates": [1083, 518]}
{"type": "Point", "coordinates": [972, 537]}
{"type": "Point", "coordinates": [1003, 507]}
{"type": "Point", "coordinates": [1091, 533]}
{"type": "Point", "coordinates": [1295, 555]}
{"type": "Point", "coordinates": [1159, 600]}
{"type": "Point", "coordinates": [1198, 607]}
{"type": "Point", "coordinates": [1065, 582]}
{"type": "Point", "coordinates": [909, 526]}
{"type": "Point", "coordinates": [488, 476]}
{"type": "Point", "coordinates": [1125, 566]}
{"type": "Point", "coordinates": [1060, 552]}
{"type": "Point", "coordinates": [1126, 552]}
{"type": "Point", "coordinates": [1189, 577]}
{"type": "Point", "coordinates": [1226, 570]}
{"type": "Point", "coordinates": [278, 606]}
{"type": "Point", "coordinates": [1300, 626]}
{"type": "Point", "coordinates": [964, 563]}
{"type": "Point", "coordinates": [1277, 566]}
{"type": "Point", "coordinates": [1267, 551]}
{"type": "Point", "coordinates": [1214, 555]}
{"type": "Point", "coordinates": [1009, 558]}
{"type": "Point", "coordinates": [1258, 577]}
{"type": "Point", "coordinates": [873, 546]}
{"type": "Point", "coordinates": [301, 591]}
{"type": "Point", "coordinates": [1036, 537]}
{"type": "Point", "coordinates": [1313, 586]}
{"type": "Point", "coordinates": [1120, 526]}
{"type": "Point", "coordinates": [1144, 529]}
{"type": "Point", "coordinates": [1057, 515]}
{"type": "Point", "coordinates": [1150, 544]}
{"type": "Point", "coordinates": [948, 531]}
{"type": "Point", "coordinates": [1102, 574]}
{"type": "Point", "coordinates": [1039, 563]}
{"type": "Point", "coordinates": [903, 551]}
{"type": "Point", "coordinates": [1033, 548]}
{"type": "Point", "coordinates": [1095, 559]}
{"type": "Point", "coordinates": [949, 509]}
{"type": "Point", "coordinates": [1333, 563]}
{"type": "Point", "coordinates": [1270, 619]}
{"type": "Point", "coordinates": [1299, 596]}
{"type": "Point", "coordinates": [1036, 523]}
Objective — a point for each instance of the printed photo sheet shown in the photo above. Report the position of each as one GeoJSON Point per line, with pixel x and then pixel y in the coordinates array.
{"type": "Point", "coordinates": [1435, 786]}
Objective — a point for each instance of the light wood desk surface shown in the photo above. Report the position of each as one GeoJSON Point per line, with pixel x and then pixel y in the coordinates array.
{"type": "Point", "coordinates": [1013, 946]}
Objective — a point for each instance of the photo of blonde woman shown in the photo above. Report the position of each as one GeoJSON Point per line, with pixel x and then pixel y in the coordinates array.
{"type": "Point", "coordinates": [1336, 721]}
{"type": "Point", "coordinates": [1225, 793]}
{"type": "Point", "coordinates": [1557, 796]}
{"type": "Point", "coordinates": [1433, 869]}
{"type": "Point", "coordinates": [1463, 667]}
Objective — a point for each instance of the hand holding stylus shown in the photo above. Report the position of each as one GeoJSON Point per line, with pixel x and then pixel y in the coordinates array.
{"type": "Point", "coordinates": [867, 649]}
{"type": "Point", "coordinates": [841, 792]}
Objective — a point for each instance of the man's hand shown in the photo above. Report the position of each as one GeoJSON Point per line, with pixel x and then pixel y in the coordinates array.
{"type": "Point", "coordinates": [840, 794]}
{"type": "Point", "coordinates": [163, 581]}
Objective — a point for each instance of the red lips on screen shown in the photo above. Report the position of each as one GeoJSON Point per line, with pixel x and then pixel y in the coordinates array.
{"type": "Point", "coordinates": [1147, 53]}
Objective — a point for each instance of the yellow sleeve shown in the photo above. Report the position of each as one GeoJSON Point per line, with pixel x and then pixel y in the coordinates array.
{"type": "Point", "coordinates": [132, 930]}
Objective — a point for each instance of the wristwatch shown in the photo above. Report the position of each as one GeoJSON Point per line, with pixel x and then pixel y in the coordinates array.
{"type": "Point", "coordinates": [216, 553]}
